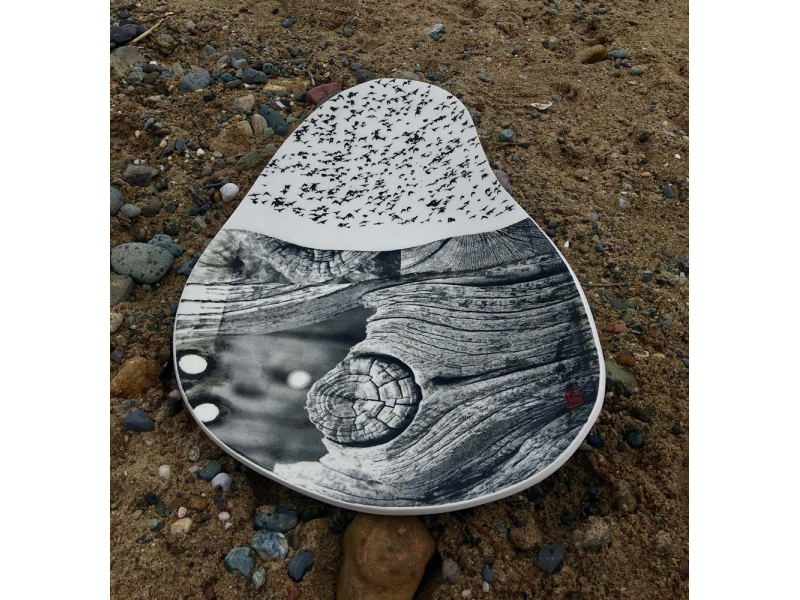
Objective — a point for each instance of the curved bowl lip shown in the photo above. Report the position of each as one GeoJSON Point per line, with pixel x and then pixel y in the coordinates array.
{"type": "Point", "coordinates": [451, 506]}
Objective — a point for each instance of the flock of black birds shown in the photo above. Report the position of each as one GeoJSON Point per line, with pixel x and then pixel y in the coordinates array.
{"type": "Point", "coordinates": [390, 151]}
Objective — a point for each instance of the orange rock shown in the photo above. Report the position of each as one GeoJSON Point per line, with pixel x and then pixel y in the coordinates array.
{"type": "Point", "coordinates": [626, 360]}
{"type": "Point", "coordinates": [384, 558]}
{"type": "Point", "coordinates": [135, 376]}
{"type": "Point", "coordinates": [615, 328]}
{"type": "Point", "coordinates": [197, 503]}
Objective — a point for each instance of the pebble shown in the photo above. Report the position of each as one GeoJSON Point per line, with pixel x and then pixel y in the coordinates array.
{"type": "Point", "coordinates": [619, 54]}
{"type": "Point", "coordinates": [550, 558]}
{"type": "Point", "coordinates": [270, 545]}
{"type": "Point", "coordinates": [117, 201]}
{"type": "Point", "coordinates": [222, 481]}
{"type": "Point", "coordinates": [211, 470]}
{"type": "Point", "coordinates": [154, 524]}
{"type": "Point", "coordinates": [242, 560]}
{"type": "Point", "coordinates": [209, 50]}
{"type": "Point", "coordinates": [116, 321]}
{"type": "Point", "coordinates": [164, 471]}
{"type": "Point", "coordinates": [667, 192]}
{"type": "Point", "coordinates": [593, 55]}
{"type": "Point", "coordinates": [274, 119]}
{"type": "Point", "coordinates": [195, 79]}
{"type": "Point", "coordinates": [506, 135]}
{"type": "Point", "coordinates": [280, 520]}
{"type": "Point", "coordinates": [595, 441]}
{"type": "Point", "coordinates": [194, 452]}
{"type": "Point", "coordinates": [300, 564]}
{"type": "Point", "coordinates": [135, 376]}
{"type": "Point", "coordinates": [635, 438]}
{"type": "Point", "coordinates": [145, 263]}
{"type": "Point", "coordinates": [487, 574]}
{"type": "Point", "coordinates": [139, 421]}
{"type": "Point", "coordinates": [139, 175]}
{"type": "Point", "coordinates": [162, 240]}
{"type": "Point", "coordinates": [502, 177]}
{"type": "Point", "coordinates": [596, 533]}
{"type": "Point", "coordinates": [181, 526]}
{"type": "Point", "coordinates": [130, 210]}
{"type": "Point", "coordinates": [259, 577]}
{"type": "Point", "coordinates": [637, 71]}
{"type": "Point", "coordinates": [121, 288]}
{"type": "Point", "coordinates": [152, 205]}
{"type": "Point", "coordinates": [288, 22]}
{"type": "Point", "coordinates": [484, 77]}
{"type": "Point", "coordinates": [229, 190]}
{"type": "Point", "coordinates": [260, 127]}
{"type": "Point", "coordinates": [182, 512]}
{"type": "Point", "coordinates": [251, 76]}
{"type": "Point", "coordinates": [315, 94]}
{"type": "Point", "coordinates": [621, 376]}
{"type": "Point", "coordinates": [485, 587]}
{"type": "Point", "coordinates": [383, 553]}
{"type": "Point", "coordinates": [450, 570]}
{"type": "Point", "coordinates": [224, 516]}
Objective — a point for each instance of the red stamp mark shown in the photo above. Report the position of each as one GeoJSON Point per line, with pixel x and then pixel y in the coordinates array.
{"type": "Point", "coordinates": [574, 398]}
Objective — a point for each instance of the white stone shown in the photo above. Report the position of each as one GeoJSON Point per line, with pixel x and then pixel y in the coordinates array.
{"type": "Point", "coordinates": [485, 587]}
{"type": "Point", "coordinates": [164, 471]}
{"type": "Point", "coordinates": [229, 191]}
{"type": "Point", "coordinates": [200, 152]}
{"type": "Point", "coordinates": [181, 526]}
{"type": "Point", "coordinates": [182, 512]}
{"type": "Point", "coordinates": [224, 516]}
{"type": "Point", "coordinates": [222, 481]}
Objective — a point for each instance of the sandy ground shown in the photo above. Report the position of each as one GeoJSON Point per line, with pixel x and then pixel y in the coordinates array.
{"type": "Point", "coordinates": [609, 135]}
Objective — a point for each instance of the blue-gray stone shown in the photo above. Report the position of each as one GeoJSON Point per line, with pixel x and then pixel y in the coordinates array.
{"type": "Point", "coordinates": [121, 288]}
{"type": "Point", "coordinates": [270, 545]}
{"type": "Point", "coordinates": [117, 201]}
{"type": "Point", "coordinates": [226, 77]}
{"type": "Point", "coordinates": [139, 175]}
{"type": "Point", "coordinates": [143, 262]}
{"type": "Point", "coordinates": [281, 520]}
{"type": "Point", "coordinates": [138, 420]}
{"type": "Point", "coordinates": [209, 50]}
{"type": "Point", "coordinates": [619, 54]}
{"type": "Point", "coordinates": [186, 268]}
{"type": "Point", "coordinates": [287, 22]}
{"type": "Point", "coordinates": [252, 76]}
{"type": "Point", "coordinates": [211, 470]}
{"type": "Point", "coordinates": [507, 135]}
{"type": "Point", "coordinates": [274, 119]}
{"type": "Point", "coordinates": [125, 33]}
{"type": "Point", "coordinates": [550, 558]}
{"type": "Point", "coordinates": [241, 560]}
{"type": "Point", "coordinates": [162, 240]}
{"type": "Point", "coordinates": [348, 32]}
{"type": "Point", "coordinates": [300, 564]}
{"type": "Point", "coordinates": [130, 210]}
{"type": "Point", "coordinates": [195, 79]}
{"type": "Point", "coordinates": [487, 575]}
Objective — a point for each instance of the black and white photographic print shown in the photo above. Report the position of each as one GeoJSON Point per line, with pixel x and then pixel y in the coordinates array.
{"type": "Point", "coordinates": [427, 376]}
{"type": "Point", "coordinates": [334, 338]}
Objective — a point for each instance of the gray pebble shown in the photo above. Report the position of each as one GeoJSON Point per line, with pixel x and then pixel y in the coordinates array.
{"type": "Point", "coordinates": [152, 205]}
{"type": "Point", "coordinates": [282, 520]}
{"type": "Point", "coordinates": [117, 201]}
{"type": "Point", "coordinates": [139, 175]}
{"type": "Point", "coordinates": [138, 420]}
{"type": "Point", "coordinates": [502, 177]}
{"type": "Point", "coordinates": [450, 570]}
{"type": "Point", "coordinates": [274, 119]}
{"type": "Point", "coordinates": [550, 558]}
{"type": "Point", "coordinates": [145, 263]}
{"type": "Point", "coordinates": [211, 470]}
{"type": "Point", "coordinates": [300, 564]}
{"type": "Point", "coordinates": [195, 79]}
{"type": "Point", "coordinates": [242, 560]}
{"type": "Point", "coordinates": [270, 545]}
{"type": "Point", "coordinates": [121, 288]}
{"type": "Point", "coordinates": [130, 210]}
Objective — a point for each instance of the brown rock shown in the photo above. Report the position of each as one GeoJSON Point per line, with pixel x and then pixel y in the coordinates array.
{"type": "Point", "coordinates": [135, 376]}
{"type": "Point", "coordinates": [233, 140]}
{"type": "Point", "coordinates": [316, 94]}
{"type": "Point", "coordinates": [384, 558]}
{"type": "Point", "coordinates": [626, 360]}
{"type": "Point", "coordinates": [593, 55]}
{"type": "Point", "coordinates": [197, 503]}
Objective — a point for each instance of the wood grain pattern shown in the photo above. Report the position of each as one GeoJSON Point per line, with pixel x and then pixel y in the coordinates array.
{"type": "Point", "coordinates": [486, 333]}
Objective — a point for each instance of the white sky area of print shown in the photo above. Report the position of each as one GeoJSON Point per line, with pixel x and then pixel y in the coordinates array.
{"type": "Point", "coordinates": [388, 164]}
